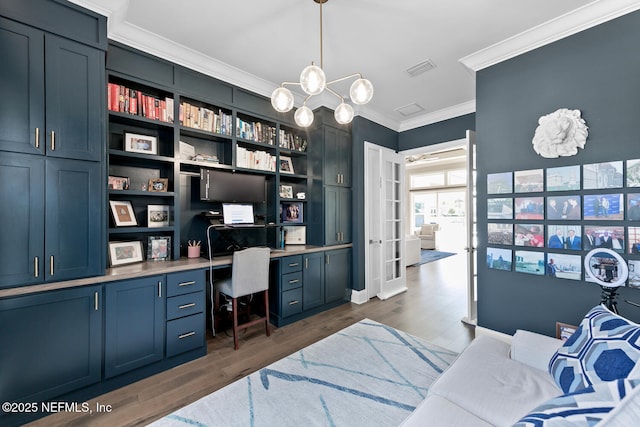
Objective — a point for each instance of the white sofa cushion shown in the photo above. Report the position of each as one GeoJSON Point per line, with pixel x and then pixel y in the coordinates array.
{"type": "Point", "coordinates": [534, 349]}
{"type": "Point", "coordinates": [486, 382]}
{"type": "Point", "coordinates": [436, 411]}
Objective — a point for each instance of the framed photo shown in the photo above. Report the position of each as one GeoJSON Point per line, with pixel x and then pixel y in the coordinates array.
{"type": "Point", "coordinates": [286, 191]}
{"type": "Point", "coordinates": [564, 266]}
{"type": "Point", "coordinates": [564, 178]}
{"type": "Point", "coordinates": [603, 207]}
{"type": "Point", "coordinates": [564, 237]}
{"type": "Point", "coordinates": [529, 181]}
{"type": "Point", "coordinates": [499, 259]}
{"type": "Point", "coordinates": [531, 235]}
{"type": "Point", "coordinates": [634, 273]}
{"type": "Point", "coordinates": [159, 248]}
{"type": "Point", "coordinates": [633, 207]}
{"type": "Point", "coordinates": [501, 208]}
{"type": "Point", "coordinates": [530, 262]}
{"type": "Point", "coordinates": [121, 253]}
{"type": "Point", "coordinates": [123, 214]}
{"type": "Point", "coordinates": [606, 268]}
{"type": "Point", "coordinates": [500, 183]}
{"type": "Point", "coordinates": [158, 185]}
{"type": "Point", "coordinates": [529, 207]}
{"type": "Point", "coordinates": [291, 212]}
{"type": "Point", "coordinates": [603, 236]}
{"type": "Point", "coordinates": [118, 183]}
{"type": "Point", "coordinates": [564, 330]}
{"type": "Point", "coordinates": [634, 240]}
{"type": "Point", "coordinates": [136, 143]}
{"type": "Point", "coordinates": [633, 173]}
{"type": "Point", "coordinates": [295, 235]}
{"type": "Point", "coordinates": [602, 175]}
{"type": "Point", "coordinates": [564, 207]}
{"type": "Point", "coordinates": [499, 233]}
{"type": "Point", "coordinates": [286, 166]}
{"type": "Point", "coordinates": [157, 216]}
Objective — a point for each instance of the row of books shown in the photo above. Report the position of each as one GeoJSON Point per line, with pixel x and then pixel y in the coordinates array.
{"type": "Point", "coordinates": [257, 159]}
{"type": "Point", "coordinates": [255, 131]}
{"type": "Point", "coordinates": [292, 142]}
{"type": "Point", "coordinates": [122, 99]}
{"type": "Point", "coordinates": [205, 119]}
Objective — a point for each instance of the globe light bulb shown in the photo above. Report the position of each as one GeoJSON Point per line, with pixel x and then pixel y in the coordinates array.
{"type": "Point", "coordinates": [313, 80]}
{"type": "Point", "coordinates": [282, 100]}
{"type": "Point", "coordinates": [343, 113]}
{"type": "Point", "coordinates": [303, 116]}
{"type": "Point", "coordinates": [361, 91]}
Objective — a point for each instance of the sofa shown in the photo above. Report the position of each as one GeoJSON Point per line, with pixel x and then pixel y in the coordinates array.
{"type": "Point", "coordinates": [412, 250]}
{"type": "Point", "coordinates": [592, 378]}
{"type": "Point", "coordinates": [427, 235]}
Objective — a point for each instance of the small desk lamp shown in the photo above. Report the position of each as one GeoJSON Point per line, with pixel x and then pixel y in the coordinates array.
{"type": "Point", "coordinates": [608, 269]}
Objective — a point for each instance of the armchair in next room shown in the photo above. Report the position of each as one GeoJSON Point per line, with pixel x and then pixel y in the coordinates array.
{"type": "Point", "coordinates": [427, 235]}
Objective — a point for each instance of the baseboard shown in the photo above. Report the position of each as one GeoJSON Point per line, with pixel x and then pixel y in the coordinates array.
{"type": "Point", "coordinates": [359, 297]}
{"type": "Point", "coordinates": [494, 334]}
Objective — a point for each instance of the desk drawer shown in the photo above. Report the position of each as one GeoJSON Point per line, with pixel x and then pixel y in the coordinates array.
{"type": "Point", "coordinates": [185, 282]}
{"type": "Point", "coordinates": [291, 302]}
{"type": "Point", "coordinates": [291, 281]}
{"type": "Point", "coordinates": [185, 334]}
{"type": "Point", "coordinates": [291, 264]}
{"type": "Point", "coordinates": [185, 305]}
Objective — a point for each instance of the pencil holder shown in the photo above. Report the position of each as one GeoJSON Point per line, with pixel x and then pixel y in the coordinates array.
{"type": "Point", "coordinates": [193, 252]}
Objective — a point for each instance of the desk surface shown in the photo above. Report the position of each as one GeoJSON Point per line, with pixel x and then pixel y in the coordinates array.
{"type": "Point", "coordinates": [149, 268]}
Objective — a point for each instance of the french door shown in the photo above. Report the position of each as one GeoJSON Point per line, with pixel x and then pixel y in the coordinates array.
{"type": "Point", "coordinates": [472, 228]}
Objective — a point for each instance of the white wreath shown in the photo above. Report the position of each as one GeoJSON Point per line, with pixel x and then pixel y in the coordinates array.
{"type": "Point", "coordinates": [560, 134]}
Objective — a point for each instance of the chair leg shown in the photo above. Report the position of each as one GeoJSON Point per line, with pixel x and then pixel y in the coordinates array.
{"type": "Point", "coordinates": [266, 311]}
{"type": "Point", "coordinates": [234, 304]}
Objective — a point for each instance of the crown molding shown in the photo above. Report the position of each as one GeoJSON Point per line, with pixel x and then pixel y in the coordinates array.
{"type": "Point", "coordinates": [588, 16]}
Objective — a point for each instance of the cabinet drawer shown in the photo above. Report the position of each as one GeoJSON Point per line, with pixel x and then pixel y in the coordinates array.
{"type": "Point", "coordinates": [185, 334]}
{"type": "Point", "coordinates": [185, 305]}
{"type": "Point", "coordinates": [291, 264]}
{"type": "Point", "coordinates": [185, 282]}
{"type": "Point", "coordinates": [291, 302]}
{"type": "Point", "coordinates": [291, 281]}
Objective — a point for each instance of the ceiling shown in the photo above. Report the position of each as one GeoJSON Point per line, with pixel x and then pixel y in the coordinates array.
{"type": "Point", "coordinates": [257, 44]}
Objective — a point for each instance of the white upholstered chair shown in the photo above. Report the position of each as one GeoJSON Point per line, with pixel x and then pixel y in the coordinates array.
{"type": "Point", "coordinates": [427, 235]}
{"type": "Point", "coordinates": [249, 275]}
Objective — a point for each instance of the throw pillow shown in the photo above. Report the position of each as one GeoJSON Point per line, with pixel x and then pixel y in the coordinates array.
{"type": "Point", "coordinates": [605, 347]}
{"type": "Point", "coordinates": [584, 408]}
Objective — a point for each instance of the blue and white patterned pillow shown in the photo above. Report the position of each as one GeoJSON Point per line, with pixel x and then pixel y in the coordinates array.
{"type": "Point", "coordinates": [584, 408]}
{"type": "Point", "coordinates": [605, 347]}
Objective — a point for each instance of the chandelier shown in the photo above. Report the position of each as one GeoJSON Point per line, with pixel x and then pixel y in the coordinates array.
{"type": "Point", "coordinates": [313, 81]}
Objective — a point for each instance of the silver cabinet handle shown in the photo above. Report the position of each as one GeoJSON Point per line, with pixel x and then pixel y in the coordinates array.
{"type": "Point", "coordinates": [53, 141]}
{"type": "Point", "coordinates": [36, 267]}
{"type": "Point", "coordinates": [95, 301]}
{"type": "Point", "coordinates": [187, 335]}
{"type": "Point", "coordinates": [37, 141]}
{"type": "Point", "coordinates": [51, 265]}
{"type": "Point", "coordinates": [187, 283]}
{"type": "Point", "coordinates": [294, 302]}
{"type": "Point", "coordinates": [294, 281]}
{"type": "Point", "coordinates": [159, 289]}
{"type": "Point", "coordinates": [294, 264]}
{"type": "Point", "coordinates": [182, 307]}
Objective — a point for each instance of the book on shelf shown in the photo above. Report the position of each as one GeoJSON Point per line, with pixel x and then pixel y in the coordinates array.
{"type": "Point", "coordinates": [122, 99]}
{"type": "Point", "coordinates": [255, 131]}
{"type": "Point", "coordinates": [255, 159]}
{"type": "Point", "coordinates": [290, 141]}
{"type": "Point", "coordinates": [205, 119]}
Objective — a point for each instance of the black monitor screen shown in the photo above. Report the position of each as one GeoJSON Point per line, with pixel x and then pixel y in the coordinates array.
{"type": "Point", "coordinates": [220, 186]}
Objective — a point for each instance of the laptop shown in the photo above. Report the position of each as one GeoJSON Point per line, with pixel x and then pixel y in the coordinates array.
{"type": "Point", "coordinates": [237, 214]}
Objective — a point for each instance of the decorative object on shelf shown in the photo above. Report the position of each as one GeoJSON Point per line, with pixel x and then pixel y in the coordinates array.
{"type": "Point", "coordinates": [286, 191]}
{"type": "Point", "coordinates": [123, 214]}
{"type": "Point", "coordinates": [144, 144]}
{"type": "Point", "coordinates": [205, 158]}
{"type": "Point", "coordinates": [121, 253]}
{"type": "Point", "coordinates": [291, 212]}
{"type": "Point", "coordinates": [158, 185]}
{"type": "Point", "coordinates": [193, 250]}
{"type": "Point", "coordinates": [286, 166]}
{"type": "Point", "coordinates": [564, 330]}
{"type": "Point", "coordinates": [118, 183]}
{"type": "Point", "coordinates": [295, 235]}
{"type": "Point", "coordinates": [157, 216]}
{"type": "Point", "coordinates": [159, 248]}
{"type": "Point", "coordinates": [609, 270]}
{"type": "Point", "coordinates": [313, 81]}
{"type": "Point", "coordinates": [187, 151]}
{"type": "Point", "coordinates": [301, 196]}
{"type": "Point", "coordinates": [560, 134]}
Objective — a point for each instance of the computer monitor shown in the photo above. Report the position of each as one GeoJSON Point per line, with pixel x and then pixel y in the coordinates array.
{"type": "Point", "coordinates": [237, 213]}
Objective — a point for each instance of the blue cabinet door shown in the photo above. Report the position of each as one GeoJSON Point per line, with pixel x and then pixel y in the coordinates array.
{"type": "Point", "coordinates": [337, 215]}
{"type": "Point", "coordinates": [51, 343]}
{"type": "Point", "coordinates": [134, 324]}
{"type": "Point", "coordinates": [313, 280]}
{"type": "Point", "coordinates": [337, 276]}
{"type": "Point", "coordinates": [21, 219]}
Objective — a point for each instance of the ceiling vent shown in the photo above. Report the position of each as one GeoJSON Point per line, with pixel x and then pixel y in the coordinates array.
{"type": "Point", "coordinates": [422, 67]}
{"type": "Point", "coordinates": [410, 109]}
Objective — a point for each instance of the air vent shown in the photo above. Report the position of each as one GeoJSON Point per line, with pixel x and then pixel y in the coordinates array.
{"type": "Point", "coordinates": [422, 67]}
{"type": "Point", "coordinates": [410, 109]}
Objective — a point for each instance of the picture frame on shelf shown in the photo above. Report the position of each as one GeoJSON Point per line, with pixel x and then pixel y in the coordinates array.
{"type": "Point", "coordinates": [158, 185]}
{"type": "Point", "coordinates": [295, 235]}
{"type": "Point", "coordinates": [286, 191]}
{"type": "Point", "coordinates": [118, 182]}
{"type": "Point", "coordinates": [157, 216]}
{"type": "Point", "coordinates": [286, 165]}
{"type": "Point", "coordinates": [137, 143]}
{"type": "Point", "coordinates": [121, 253]}
{"type": "Point", "coordinates": [291, 212]}
{"type": "Point", "coordinates": [123, 214]}
{"type": "Point", "coordinates": [159, 248]}
{"type": "Point", "coordinates": [564, 330]}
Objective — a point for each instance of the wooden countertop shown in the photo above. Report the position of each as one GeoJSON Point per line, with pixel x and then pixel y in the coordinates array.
{"type": "Point", "coordinates": [150, 268]}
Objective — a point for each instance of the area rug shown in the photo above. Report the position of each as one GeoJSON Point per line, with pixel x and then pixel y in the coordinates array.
{"type": "Point", "coordinates": [368, 374]}
{"type": "Point", "coordinates": [427, 255]}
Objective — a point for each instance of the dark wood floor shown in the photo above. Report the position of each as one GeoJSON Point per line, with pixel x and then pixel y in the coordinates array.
{"type": "Point", "coordinates": [431, 309]}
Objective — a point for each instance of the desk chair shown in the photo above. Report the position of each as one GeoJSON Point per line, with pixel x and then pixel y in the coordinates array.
{"type": "Point", "coordinates": [249, 275]}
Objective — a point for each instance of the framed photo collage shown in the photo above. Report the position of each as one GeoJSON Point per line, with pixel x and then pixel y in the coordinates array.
{"type": "Point", "coordinates": [543, 221]}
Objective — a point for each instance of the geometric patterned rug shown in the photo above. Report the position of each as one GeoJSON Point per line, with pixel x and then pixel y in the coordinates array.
{"type": "Point", "coordinates": [427, 255]}
{"type": "Point", "coordinates": [368, 374]}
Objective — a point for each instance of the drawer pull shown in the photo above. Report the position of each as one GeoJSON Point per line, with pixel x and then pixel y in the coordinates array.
{"type": "Point", "coordinates": [187, 283]}
{"type": "Point", "coordinates": [193, 304]}
{"type": "Point", "coordinates": [294, 264]}
{"type": "Point", "coordinates": [294, 302]}
{"type": "Point", "coordinates": [187, 335]}
{"type": "Point", "coordinates": [294, 281]}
